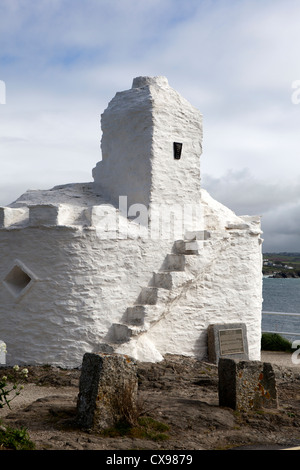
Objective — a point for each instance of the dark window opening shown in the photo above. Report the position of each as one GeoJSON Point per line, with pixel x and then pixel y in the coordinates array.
{"type": "Point", "coordinates": [177, 146]}
{"type": "Point", "coordinates": [17, 280]}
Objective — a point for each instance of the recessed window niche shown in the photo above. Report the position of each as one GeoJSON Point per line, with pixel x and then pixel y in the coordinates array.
{"type": "Point", "coordinates": [19, 279]}
{"type": "Point", "coordinates": [177, 148]}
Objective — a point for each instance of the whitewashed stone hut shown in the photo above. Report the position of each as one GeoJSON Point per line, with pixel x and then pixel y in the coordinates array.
{"type": "Point", "coordinates": [140, 260]}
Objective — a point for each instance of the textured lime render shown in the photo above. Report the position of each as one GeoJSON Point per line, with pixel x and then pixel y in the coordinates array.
{"type": "Point", "coordinates": [90, 278]}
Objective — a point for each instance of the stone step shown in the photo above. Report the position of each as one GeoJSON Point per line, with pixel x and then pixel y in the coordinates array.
{"type": "Point", "coordinates": [141, 315]}
{"type": "Point", "coordinates": [107, 348]}
{"type": "Point", "coordinates": [188, 247]}
{"type": "Point", "coordinates": [169, 280]}
{"type": "Point", "coordinates": [148, 296]}
{"type": "Point", "coordinates": [123, 333]}
{"type": "Point", "coordinates": [135, 315]}
{"type": "Point", "coordinates": [197, 235]}
{"type": "Point", "coordinates": [152, 296]}
{"type": "Point", "coordinates": [174, 262]}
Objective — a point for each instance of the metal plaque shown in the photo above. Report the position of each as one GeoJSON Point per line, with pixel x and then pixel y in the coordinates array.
{"type": "Point", "coordinates": [231, 341]}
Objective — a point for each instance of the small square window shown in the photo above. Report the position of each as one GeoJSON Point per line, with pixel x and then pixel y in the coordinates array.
{"type": "Point", "coordinates": [18, 280]}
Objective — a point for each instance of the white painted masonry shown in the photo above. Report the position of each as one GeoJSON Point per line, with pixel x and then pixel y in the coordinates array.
{"type": "Point", "coordinates": [139, 261]}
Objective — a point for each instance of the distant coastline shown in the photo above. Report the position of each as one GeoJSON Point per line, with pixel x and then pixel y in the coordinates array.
{"type": "Point", "coordinates": [281, 265]}
{"type": "Point", "coordinates": [283, 275]}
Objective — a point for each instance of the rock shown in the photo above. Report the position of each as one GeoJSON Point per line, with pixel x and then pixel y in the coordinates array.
{"type": "Point", "coordinates": [107, 390]}
{"type": "Point", "coordinates": [246, 385]}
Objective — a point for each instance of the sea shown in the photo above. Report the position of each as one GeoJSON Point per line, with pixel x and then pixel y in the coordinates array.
{"type": "Point", "coordinates": [281, 307]}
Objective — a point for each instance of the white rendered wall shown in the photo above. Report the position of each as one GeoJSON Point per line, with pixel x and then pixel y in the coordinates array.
{"type": "Point", "coordinates": [127, 126]}
{"type": "Point", "coordinates": [139, 127]}
{"type": "Point", "coordinates": [85, 273]}
{"type": "Point", "coordinates": [228, 291]}
{"type": "Point", "coordinates": [175, 120]}
{"type": "Point", "coordinates": [83, 284]}
{"type": "Point", "coordinates": [224, 286]}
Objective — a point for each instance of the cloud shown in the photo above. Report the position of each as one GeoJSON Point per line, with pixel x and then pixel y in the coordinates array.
{"type": "Point", "coordinates": [246, 194]}
{"type": "Point", "coordinates": [63, 60]}
{"type": "Point", "coordinates": [278, 202]}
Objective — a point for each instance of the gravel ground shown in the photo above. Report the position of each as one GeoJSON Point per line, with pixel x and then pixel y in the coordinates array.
{"type": "Point", "coordinates": [280, 359]}
{"type": "Point", "coordinates": [179, 392]}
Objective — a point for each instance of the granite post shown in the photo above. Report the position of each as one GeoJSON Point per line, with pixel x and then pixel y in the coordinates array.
{"type": "Point", "coordinates": [246, 385]}
{"type": "Point", "coordinates": [107, 390]}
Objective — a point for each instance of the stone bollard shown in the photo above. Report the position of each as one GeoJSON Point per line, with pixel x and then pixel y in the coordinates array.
{"type": "Point", "coordinates": [107, 391]}
{"type": "Point", "coordinates": [246, 385]}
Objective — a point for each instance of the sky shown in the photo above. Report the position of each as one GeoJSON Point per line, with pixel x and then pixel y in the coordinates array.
{"type": "Point", "coordinates": [237, 61]}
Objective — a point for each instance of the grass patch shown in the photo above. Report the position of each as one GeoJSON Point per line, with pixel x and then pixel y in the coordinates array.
{"type": "Point", "coordinates": [275, 342]}
{"type": "Point", "coordinates": [15, 439]}
{"type": "Point", "coordinates": [146, 428]}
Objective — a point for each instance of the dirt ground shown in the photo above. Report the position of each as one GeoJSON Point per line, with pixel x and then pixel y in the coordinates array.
{"type": "Point", "coordinates": [181, 392]}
